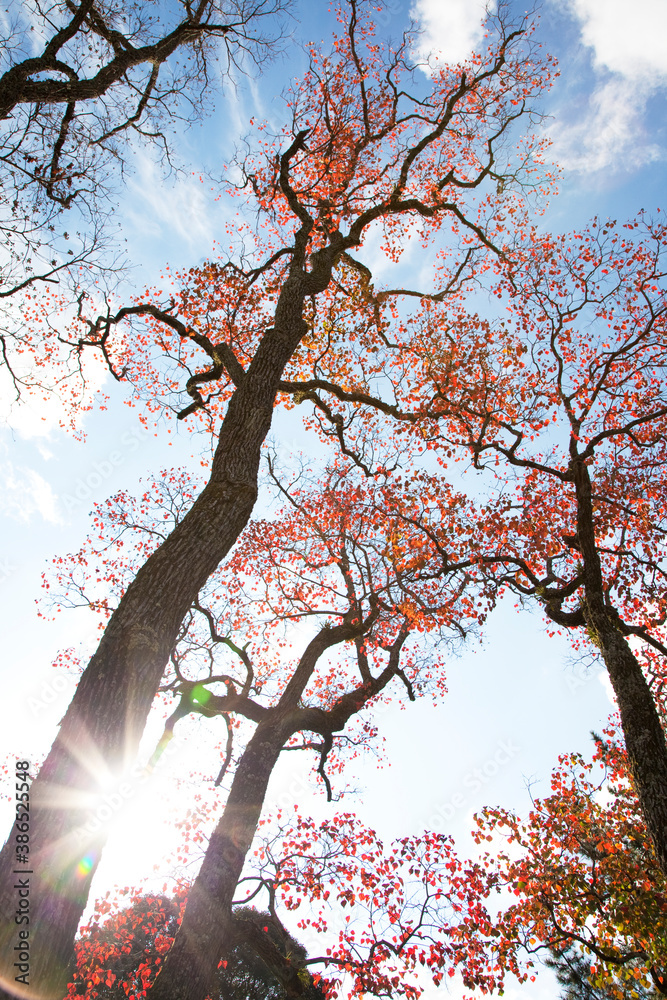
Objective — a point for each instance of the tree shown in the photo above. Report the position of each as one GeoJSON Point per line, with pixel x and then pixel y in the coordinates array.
{"type": "Point", "coordinates": [70, 105]}
{"type": "Point", "coordinates": [384, 913]}
{"type": "Point", "coordinates": [70, 112]}
{"type": "Point", "coordinates": [365, 573]}
{"type": "Point", "coordinates": [361, 151]}
{"type": "Point", "coordinates": [587, 520]}
{"type": "Point", "coordinates": [410, 906]}
{"type": "Point", "coordinates": [562, 399]}
{"type": "Point", "coordinates": [586, 876]}
{"type": "Point", "coordinates": [118, 956]}
{"type": "Point", "coordinates": [573, 971]}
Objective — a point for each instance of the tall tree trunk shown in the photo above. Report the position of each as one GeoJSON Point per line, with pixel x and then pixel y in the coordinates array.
{"type": "Point", "coordinates": [206, 930]}
{"type": "Point", "coordinates": [101, 730]}
{"type": "Point", "coordinates": [207, 924]}
{"type": "Point", "coordinates": [642, 731]}
{"type": "Point", "coordinates": [644, 736]}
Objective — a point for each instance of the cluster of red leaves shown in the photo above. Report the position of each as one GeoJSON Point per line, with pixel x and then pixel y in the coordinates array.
{"type": "Point", "coordinates": [584, 871]}
{"type": "Point", "coordinates": [45, 370]}
{"type": "Point", "coordinates": [381, 914]}
{"type": "Point", "coordinates": [349, 543]}
{"type": "Point", "coordinates": [384, 913]}
{"type": "Point", "coordinates": [122, 949]}
{"type": "Point", "coordinates": [404, 549]}
{"type": "Point", "coordinates": [574, 367]}
{"type": "Point", "coordinates": [582, 368]}
{"type": "Point", "coordinates": [362, 124]}
{"type": "Point", "coordinates": [380, 148]}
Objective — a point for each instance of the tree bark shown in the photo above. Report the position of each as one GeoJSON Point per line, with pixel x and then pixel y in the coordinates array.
{"type": "Point", "coordinates": [101, 730]}
{"type": "Point", "coordinates": [643, 733]}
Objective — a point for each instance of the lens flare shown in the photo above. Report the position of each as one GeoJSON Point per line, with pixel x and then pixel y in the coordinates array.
{"type": "Point", "coordinates": [85, 865]}
{"type": "Point", "coordinates": [200, 694]}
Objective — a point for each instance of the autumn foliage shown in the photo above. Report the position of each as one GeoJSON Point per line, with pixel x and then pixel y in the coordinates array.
{"type": "Point", "coordinates": [383, 918]}
{"type": "Point", "coordinates": [584, 873]}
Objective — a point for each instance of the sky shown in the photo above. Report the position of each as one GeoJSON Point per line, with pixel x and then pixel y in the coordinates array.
{"type": "Point", "coordinates": [517, 698]}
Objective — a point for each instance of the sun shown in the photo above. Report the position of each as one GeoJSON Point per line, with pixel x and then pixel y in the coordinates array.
{"type": "Point", "coordinates": [142, 840]}
{"type": "Point", "coordinates": [150, 817]}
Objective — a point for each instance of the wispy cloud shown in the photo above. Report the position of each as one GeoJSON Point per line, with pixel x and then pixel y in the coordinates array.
{"type": "Point", "coordinates": [626, 38]}
{"type": "Point", "coordinates": [178, 210]}
{"type": "Point", "coordinates": [629, 59]}
{"type": "Point", "coordinates": [610, 135]}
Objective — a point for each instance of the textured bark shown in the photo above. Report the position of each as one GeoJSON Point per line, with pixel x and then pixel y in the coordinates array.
{"type": "Point", "coordinates": [101, 730]}
{"type": "Point", "coordinates": [642, 729]}
{"type": "Point", "coordinates": [643, 733]}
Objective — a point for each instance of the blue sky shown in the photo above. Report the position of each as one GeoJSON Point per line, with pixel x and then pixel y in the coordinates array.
{"type": "Point", "coordinates": [518, 696]}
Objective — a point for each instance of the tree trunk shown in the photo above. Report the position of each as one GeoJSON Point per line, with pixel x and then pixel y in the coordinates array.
{"type": "Point", "coordinates": [206, 929]}
{"type": "Point", "coordinates": [642, 729]}
{"type": "Point", "coordinates": [101, 730]}
{"type": "Point", "coordinates": [207, 924]}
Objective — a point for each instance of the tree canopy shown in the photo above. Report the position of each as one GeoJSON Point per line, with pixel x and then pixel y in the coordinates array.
{"type": "Point", "coordinates": [360, 149]}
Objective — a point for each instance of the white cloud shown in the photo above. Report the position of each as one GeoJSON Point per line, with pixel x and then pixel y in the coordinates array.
{"type": "Point", "coordinates": [611, 135]}
{"type": "Point", "coordinates": [451, 28]}
{"type": "Point", "coordinates": [23, 492]}
{"type": "Point", "coordinates": [629, 57]}
{"type": "Point", "coordinates": [626, 38]}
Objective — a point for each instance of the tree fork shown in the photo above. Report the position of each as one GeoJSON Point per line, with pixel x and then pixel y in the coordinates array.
{"type": "Point", "coordinates": [206, 928]}
{"type": "Point", "coordinates": [16, 87]}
